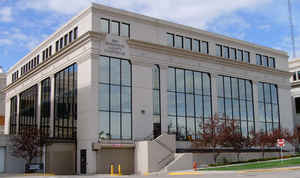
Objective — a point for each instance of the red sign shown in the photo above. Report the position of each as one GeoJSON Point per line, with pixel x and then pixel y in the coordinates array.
{"type": "Point", "coordinates": [280, 142]}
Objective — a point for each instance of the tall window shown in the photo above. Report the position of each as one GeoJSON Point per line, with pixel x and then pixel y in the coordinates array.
{"type": "Point", "coordinates": [28, 109]}
{"type": "Point", "coordinates": [235, 101]}
{"type": "Point", "coordinates": [45, 107]}
{"type": "Point", "coordinates": [65, 103]}
{"type": "Point", "coordinates": [13, 115]}
{"type": "Point", "coordinates": [115, 107]}
{"type": "Point", "coordinates": [189, 102]}
{"type": "Point", "coordinates": [156, 101]}
{"type": "Point", "coordinates": [297, 105]}
{"type": "Point", "coordinates": [268, 107]}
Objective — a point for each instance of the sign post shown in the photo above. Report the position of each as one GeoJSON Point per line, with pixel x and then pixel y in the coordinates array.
{"type": "Point", "coordinates": [281, 144]}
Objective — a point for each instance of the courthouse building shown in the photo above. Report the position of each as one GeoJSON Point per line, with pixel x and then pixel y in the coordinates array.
{"type": "Point", "coordinates": [294, 67]}
{"type": "Point", "coordinates": [109, 79]}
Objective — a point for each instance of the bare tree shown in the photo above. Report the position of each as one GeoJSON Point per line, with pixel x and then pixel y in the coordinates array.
{"type": "Point", "coordinates": [26, 145]}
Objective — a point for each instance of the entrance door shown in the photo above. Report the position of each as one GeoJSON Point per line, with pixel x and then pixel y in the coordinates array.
{"type": "Point", "coordinates": [83, 161]}
{"type": "Point", "coordinates": [156, 130]}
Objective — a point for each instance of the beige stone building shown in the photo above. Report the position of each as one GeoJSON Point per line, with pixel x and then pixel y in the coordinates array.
{"type": "Point", "coordinates": [2, 99]}
{"type": "Point", "coordinates": [115, 87]}
{"type": "Point", "coordinates": [294, 67]}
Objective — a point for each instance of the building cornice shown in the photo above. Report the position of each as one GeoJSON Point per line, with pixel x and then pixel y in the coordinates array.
{"type": "Point", "coordinates": [204, 57]}
{"type": "Point", "coordinates": [81, 41]}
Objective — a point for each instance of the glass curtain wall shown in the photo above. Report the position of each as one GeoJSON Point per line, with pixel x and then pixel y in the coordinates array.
{"type": "Point", "coordinates": [13, 115]}
{"type": "Point", "coordinates": [235, 101]}
{"type": "Point", "coordinates": [189, 102]}
{"type": "Point", "coordinates": [268, 107]}
{"type": "Point", "coordinates": [65, 104]}
{"type": "Point", "coordinates": [45, 107]}
{"type": "Point", "coordinates": [28, 109]}
{"type": "Point", "coordinates": [115, 109]}
{"type": "Point", "coordinates": [156, 101]}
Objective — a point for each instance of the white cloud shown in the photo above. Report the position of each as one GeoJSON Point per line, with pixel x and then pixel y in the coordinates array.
{"type": "Point", "coordinates": [190, 12]}
{"type": "Point", "coordinates": [5, 41]}
{"type": "Point", "coordinates": [265, 27]}
{"type": "Point", "coordinates": [5, 14]}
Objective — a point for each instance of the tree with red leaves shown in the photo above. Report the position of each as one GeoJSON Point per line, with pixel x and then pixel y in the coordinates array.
{"type": "Point", "coordinates": [231, 136]}
{"type": "Point", "coordinates": [26, 145]}
{"type": "Point", "coordinates": [210, 137]}
{"type": "Point", "coordinates": [263, 140]}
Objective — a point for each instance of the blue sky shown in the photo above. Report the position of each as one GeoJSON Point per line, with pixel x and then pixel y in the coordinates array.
{"type": "Point", "coordinates": [26, 23]}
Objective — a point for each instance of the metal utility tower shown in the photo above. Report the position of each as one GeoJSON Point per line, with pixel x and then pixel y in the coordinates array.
{"type": "Point", "coordinates": [292, 28]}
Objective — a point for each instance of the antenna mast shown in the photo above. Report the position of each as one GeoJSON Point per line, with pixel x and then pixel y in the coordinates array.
{"type": "Point", "coordinates": [292, 28]}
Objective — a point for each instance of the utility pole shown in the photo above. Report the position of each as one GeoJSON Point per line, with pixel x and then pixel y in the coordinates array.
{"type": "Point", "coordinates": [292, 27]}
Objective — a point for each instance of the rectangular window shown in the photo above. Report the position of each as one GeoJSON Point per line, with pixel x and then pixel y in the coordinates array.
{"type": "Point", "coordinates": [45, 107]}
{"type": "Point", "coordinates": [104, 25]}
{"type": "Point", "coordinates": [115, 98]}
{"type": "Point", "coordinates": [225, 52]}
{"type": "Point", "coordinates": [125, 29]}
{"type": "Point", "coordinates": [65, 103]}
{"type": "Point", "coordinates": [170, 39]}
{"type": "Point", "coordinates": [272, 62]}
{"type": "Point", "coordinates": [187, 43]}
{"type": "Point", "coordinates": [265, 61]}
{"type": "Point", "coordinates": [57, 45]}
{"type": "Point", "coordinates": [46, 52]}
{"type": "Point", "coordinates": [66, 40]}
{"type": "Point", "coordinates": [44, 55]}
{"type": "Point", "coordinates": [246, 56]}
{"type": "Point", "coordinates": [258, 59]}
{"type": "Point", "coordinates": [13, 116]}
{"type": "Point", "coordinates": [28, 109]}
{"type": "Point", "coordinates": [204, 47]}
{"type": "Point", "coordinates": [219, 50]}
{"type": "Point", "coordinates": [61, 43]}
{"type": "Point", "coordinates": [75, 33]}
{"type": "Point", "coordinates": [115, 28]}
{"type": "Point", "coordinates": [178, 41]}
{"type": "Point", "coordinates": [232, 52]}
{"type": "Point", "coordinates": [185, 102]}
{"type": "Point", "coordinates": [50, 51]}
{"type": "Point", "coordinates": [70, 36]}
{"type": "Point", "coordinates": [196, 45]}
{"type": "Point", "coordinates": [38, 59]}
{"type": "Point", "coordinates": [239, 55]}
{"type": "Point", "coordinates": [298, 73]}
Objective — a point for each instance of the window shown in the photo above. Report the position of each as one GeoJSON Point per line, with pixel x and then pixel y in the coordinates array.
{"type": "Point", "coordinates": [258, 59]}
{"type": "Point", "coordinates": [50, 51]}
{"type": "Point", "coordinates": [187, 43]}
{"type": "Point", "coordinates": [115, 109]}
{"type": "Point", "coordinates": [61, 43]}
{"type": "Point", "coordinates": [204, 47]}
{"type": "Point", "coordinates": [268, 107]}
{"type": "Point", "coordinates": [235, 101]}
{"type": "Point", "coordinates": [265, 61]}
{"type": "Point", "coordinates": [294, 76]}
{"type": "Point", "coordinates": [115, 28]}
{"type": "Point", "coordinates": [46, 53]}
{"type": "Point", "coordinates": [189, 102]}
{"type": "Point", "coordinates": [246, 56]}
{"type": "Point", "coordinates": [297, 104]}
{"type": "Point", "coordinates": [239, 55]}
{"type": "Point", "coordinates": [45, 107]}
{"type": "Point", "coordinates": [13, 116]}
{"type": "Point", "coordinates": [178, 41]}
{"type": "Point", "coordinates": [66, 40]}
{"type": "Point", "coordinates": [65, 103]}
{"type": "Point", "coordinates": [219, 50]}
{"type": "Point", "coordinates": [57, 45]}
{"type": "Point", "coordinates": [70, 36]}
{"type": "Point", "coordinates": [75, 33]}
{"type": "Point", "coordinates": [196, 45]}
{"type": "Point", "coordinates": [170, 39]}
{"type": "Point", "coordinates": [28, 109]}
{"type": "Point", "coordinates": [232, 52]}
{"type": "Point", "coordinates": [225, 52]}
{"type": "Point", "coordinates": [38, 59]}
{"type": "Point", "coordinates": [104, 25]}
{"type": "Point", "coordinates": [156, 101]}
{"type": "Point", "coordinates": [125, 29]}
{"type": "Point", "coordinates": [272, 62]}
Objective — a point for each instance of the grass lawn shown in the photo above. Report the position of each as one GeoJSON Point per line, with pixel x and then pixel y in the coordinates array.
{"type": "Point", "coordinates": [259, 165]}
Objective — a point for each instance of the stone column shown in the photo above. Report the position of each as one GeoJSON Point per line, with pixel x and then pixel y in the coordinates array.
{"type": "Point", "coordinates": [214, 93]}
{"type": "Point", "coordinates": [164, 97]}
{"type": "Point", "coordinates": [38, 112]}
{"type": "Point", "coordinates": [52, 97]}
{"type": "Point", "coordinates": [255, 101]}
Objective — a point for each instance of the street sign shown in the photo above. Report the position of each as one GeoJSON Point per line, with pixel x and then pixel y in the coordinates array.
{"type": "Point", "coordinates": [280, 142]}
